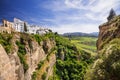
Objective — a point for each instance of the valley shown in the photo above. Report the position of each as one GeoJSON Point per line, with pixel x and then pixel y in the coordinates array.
{"type": "Point", "coordinates": [86, 43]}
{"type": "Point", "coordinates": [62, 40]}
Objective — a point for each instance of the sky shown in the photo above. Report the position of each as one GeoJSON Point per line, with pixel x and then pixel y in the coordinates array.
{"type": "Point", "coordinates": [60, 15]}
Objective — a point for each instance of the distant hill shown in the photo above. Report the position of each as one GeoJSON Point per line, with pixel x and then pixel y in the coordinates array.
{"type": "Point", "coordinates": [77, 34]}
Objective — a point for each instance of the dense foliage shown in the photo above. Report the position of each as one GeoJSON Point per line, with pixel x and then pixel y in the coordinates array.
{"type": "Point", "coordinates": [38, 38]}
{"type": "Point", "coordinates": [108, 65]}
{"type": "Point", "coordinates": [5, 40]}
{"type": "Point", "coordinates": [70, 65]}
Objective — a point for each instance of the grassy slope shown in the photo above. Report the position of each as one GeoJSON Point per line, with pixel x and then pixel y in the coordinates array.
{"type": "Point", "coordinates": [87, 44]}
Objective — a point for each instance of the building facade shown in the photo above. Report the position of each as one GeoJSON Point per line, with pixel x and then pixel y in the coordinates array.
{"type": "Point", "coordinates": [19, 25]}
{"type": "Point", "coordinates": [7, 23]}
{"type": "Point", "coordinates": [33, 29]}
{"type": "Point", "coordinates": [6, 26]}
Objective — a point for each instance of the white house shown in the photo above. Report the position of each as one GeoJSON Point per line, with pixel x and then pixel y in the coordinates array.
{"type": "Point", "coordinates": [32, 29]}
{"type": "Point", "coordinates": [18, 25]}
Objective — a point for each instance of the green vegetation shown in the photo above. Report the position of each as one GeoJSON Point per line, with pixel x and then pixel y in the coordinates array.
{"type": "Point", "coordinates": [24, 38]}
{"type": "Point", "coordinates": [21, 48]}
{"type": "Point", "coordinates": [44, 76]}
{"type": "Point", "coordinates": [38, 38]}
{"type": "Point", "coordinates": [73, 57]}
{"type": "Point", "coordinates": [87, 43]}
{"type": "Point", "coordinates": [5, 40]}
{"type": "Point", "coordinates": [36, 72]}
{"type": "Point", "coordinates": [21, 54]}
{"type": "Point", "coordinates": [70, 65]}
{"type": "Point", "coordinates": [108, 65]}
{"type": "Point", "coordinates": [34, 75]}
{"type": "Point", "coordinates": [40, 64]}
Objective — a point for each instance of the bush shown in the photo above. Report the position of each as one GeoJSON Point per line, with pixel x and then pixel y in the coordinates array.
{"type": "Point", "coordinates": [38, 38]}
{"type": "Point", "coordinates": [40, 64]}
{"type": "Point", "coordinates": [21, 54]}
{"type": "Point", "coordinates": [5, 40]}
{"type": "Point", "coordinates": [34, 75]}
{"type": "Point", "coordinates": [21, 48]}
{"type": "Point", "coordinates": [44, 76]}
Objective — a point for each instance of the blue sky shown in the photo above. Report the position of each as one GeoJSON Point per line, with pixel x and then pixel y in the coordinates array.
{"type": "Point", "coordinates": [60, 15]}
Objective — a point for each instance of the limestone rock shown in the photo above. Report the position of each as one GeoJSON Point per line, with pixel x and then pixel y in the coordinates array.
{"type": "Point", "coordinates": [108, 31]}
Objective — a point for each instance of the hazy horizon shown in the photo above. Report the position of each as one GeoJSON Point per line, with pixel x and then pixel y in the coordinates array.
{"type": "Point", "coordinates": [61, 16]}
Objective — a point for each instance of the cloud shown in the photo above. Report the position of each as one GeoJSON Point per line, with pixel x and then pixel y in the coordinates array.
{"type": "Point", "coordinates": [79, 15]}
{"type": "Point", "coordinates": [54, 5]}
{"type": "Point", "coordinates": [88, 28]}
{"type": "Point", "coordinates": [93, 5]}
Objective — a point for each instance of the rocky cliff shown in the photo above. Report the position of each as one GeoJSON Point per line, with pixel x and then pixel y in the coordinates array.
{"type": "Point", "coordinates": [41, 57]}
{"type": "Point", "coordinates": [107, 65]}
{"type": "Point", "coordinates": [20, 54]}
{"type": "Point", "coordinates": [108, 31]}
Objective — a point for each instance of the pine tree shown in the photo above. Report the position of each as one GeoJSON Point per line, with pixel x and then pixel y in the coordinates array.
{"type": "Point", "coordinates": [111, 14]}
{"type": "Point", "coordinates": [25, 27]}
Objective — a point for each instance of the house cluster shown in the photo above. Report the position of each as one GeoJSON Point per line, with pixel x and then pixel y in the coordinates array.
{"type": "Point", "coordinates": [20, 26]}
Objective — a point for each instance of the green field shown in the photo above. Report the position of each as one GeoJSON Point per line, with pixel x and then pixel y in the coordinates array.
{"type": "Point", "coordinates": [87, 44]}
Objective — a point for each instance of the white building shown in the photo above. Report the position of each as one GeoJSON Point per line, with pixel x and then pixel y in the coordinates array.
{"type": "Point", "coordinates": [18, 25]}
{"type": "Point", "coordinates": [34, 29]}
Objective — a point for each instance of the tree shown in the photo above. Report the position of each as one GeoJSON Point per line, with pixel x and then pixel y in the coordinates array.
{"type": "Point", "coordinates": [25, 27]}
{"type": "Point", "coordinates": [111, 14]}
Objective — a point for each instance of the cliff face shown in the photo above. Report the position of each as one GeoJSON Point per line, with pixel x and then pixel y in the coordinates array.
{"type": "Point", "coordinates": [6, 66]}
{"type": "Point", "coordinates": [107, 65]}
{"type": "Point", "coordinates": [108, 31]}
{"type": "Point", "coordinates": [22, 60]}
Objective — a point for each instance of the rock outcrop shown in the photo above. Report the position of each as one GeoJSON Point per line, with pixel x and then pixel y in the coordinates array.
{"type": "Point", "coordinates": [107, 64]}
{"type": "Point", "coordinates": [6, 67]}
{"type": "Point", "coordinates": [11, 67]}
{"type": "Point", "coordinates": [108, 31]}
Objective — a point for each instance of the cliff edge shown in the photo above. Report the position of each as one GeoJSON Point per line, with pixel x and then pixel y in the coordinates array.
{"type": "Point", "coordinates": [20, 54]}
{"type": "Point", "coordinates": [107, 64]}
{"type": "Point", "coordinates": [108, 31]}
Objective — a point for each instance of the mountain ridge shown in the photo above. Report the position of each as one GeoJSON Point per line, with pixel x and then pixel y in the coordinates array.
{"type": "Point", "coordinates": [78, 34]}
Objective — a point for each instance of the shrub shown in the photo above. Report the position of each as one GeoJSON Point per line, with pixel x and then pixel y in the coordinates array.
{"type": "Point", "coordinates": [34, 75]}
{"type": "Point", "coordinates": [44, 76]}
{"type": "Point", "coordinates": [38, 38]}
{"type": "Point", "coordinates": [5, 40]}
{"type": "Point", "coordinates": [40, 64]}
{"type": "Point", "coordinates": [21, 54]}
{"type": "Point", "coordinates": [21, 48]}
